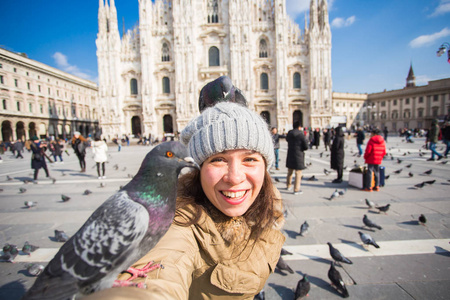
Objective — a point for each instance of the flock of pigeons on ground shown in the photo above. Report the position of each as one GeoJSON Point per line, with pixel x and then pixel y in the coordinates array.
{"type": "Point", "coordinates": [303, 286]}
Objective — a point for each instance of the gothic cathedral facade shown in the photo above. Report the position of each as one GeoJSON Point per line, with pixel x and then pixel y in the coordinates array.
{"type": "Point", "coordinates": [150, 78]}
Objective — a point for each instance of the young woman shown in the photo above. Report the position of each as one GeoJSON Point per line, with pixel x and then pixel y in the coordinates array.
{"type": "Point", "coordinates": [225, 239]}
{"type": "Point", "coordinates": [79, 144]}
{"type": "Point", "coordinates": [38, 158]}
{"type": "Point", "coordinates": [99, 148]}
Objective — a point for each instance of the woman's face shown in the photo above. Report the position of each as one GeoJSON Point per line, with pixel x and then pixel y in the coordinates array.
{"type": "Point", "coordinates": [232, 180]}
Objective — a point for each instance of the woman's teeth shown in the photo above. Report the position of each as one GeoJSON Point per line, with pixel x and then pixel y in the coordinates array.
{"type": "Point", "coordinates": [233, 194]}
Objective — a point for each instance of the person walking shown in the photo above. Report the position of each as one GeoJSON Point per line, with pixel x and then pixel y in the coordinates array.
{"type": "Point", "coordinates": [373, 156]}
{"type": "Point", "coordinates": [385, 132]}
{"type": "Point", "coordinates": [79, 144]}
{"type": "Point", "coordinates": [446, 137]}
{"type": "Point", "coordinates": [38, 158]}
{"type": "Point", "coordinates": [18, 147]}
{"type": "Point", "coordinates": [326, 138]}
{"type": "Point", "coordinates": [317, 138]}
{"type": "Point", "coordinates": [360, 136]}
{"type": "Point", "coordinates": [433, 139]}
{"type": "Point", "coordinates": [337, 154]}
{"type": "Point", "coordinates": [56, 150]}
{"type": "Point", "coordinates": [276, 146]}
{"type": "Point", "coordinates": [99, 148]}
{"type": "Point", "coordinates": [295, 160]}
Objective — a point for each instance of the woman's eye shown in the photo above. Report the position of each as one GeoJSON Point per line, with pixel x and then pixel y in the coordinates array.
{"type": "Point", "coordinates": [217, 159]}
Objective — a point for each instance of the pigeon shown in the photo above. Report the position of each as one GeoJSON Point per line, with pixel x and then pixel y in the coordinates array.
{"type": "Point", "coordinates": [22, 190]}
{"type": "Point", "coordinates": [326, 172]}
{"type": "Point", "coordinates": [398, 171]}
{"type": "Point", "coordinates": [370, 204]}
{"type": "Point", "coordinates": [30, 204]}
{"type": "Point", "coordinates": [64, 198]}
{"type": "Point", "coordinates": [220, 90]}
{"type": "Point", "coordinates": [35, 269]}
{"type": "Point", "coordinates": [131, 221]}
{"type": "Point", "coordinates": [27, 181]}
{"type": "Point", "coordinates": [420, 185]}
{"type": "Point", "coordinates": [260, 296]}
{"type": "Point", "coordinates": [399, 160]}
{"type": "Point", "coordinates": [444, 162]}
{"type": "Point", "coordinates": [334, 195]}
{"type": "Point", "coordinates": [285, 252]}
{"type": "Point", "coordinates": [428, 172]}
{"type": "Point", "coordinates": [303, 287]}
{"type": "Point", "coordinates": [124, 169]}
{"type": "Point", "coordinates": [367, 239]}
{"type": "Point", "coordinates": [28, 248]}
{"type": "Point", "coordinates": [409, 166]}
{"type": "Point", "coordinates": [87, 192]}
{"type": "Point", "coordinates": [337, 256]}
{"type": "Point", "coordinates": [8, 247]}
{"type": "Point", "coordinates": [342, 192]}
{"type": "Point", "coordinates": [10, 255]}
{"type": "Point", "coordinates": [283, 266]}
{"type": "Point", "coordinates": [304, 228]}
{"type": "Point", "coordinates": [53, 180]}
{"type": "Point", "coordinates": [337, 281]}
{"type": "Point", "coordinates": [422, 219]}
{"type": "Point", "coordinates": [387, 177]}
{"type": "Point", "coordinates": [312, 178]}
{"type": "Point", "coordinates": [102, 185]}
{"type": "Point", "coordinates": [430, 182]}
{"type": "Point", "coordinates": [410, 174]}
{"type": "Point", "coordinates": [116, 167]}
{"type": "Point", "coordinates": [321, 154]}
{"type": "Point", "coordinates": [61, 236]}
{"type": "Point", "coordinates": [8, 178]}
{"type": "Point", "coordinates": [367, 222]}
{"type": "Point", "coordinates": [383, 208]}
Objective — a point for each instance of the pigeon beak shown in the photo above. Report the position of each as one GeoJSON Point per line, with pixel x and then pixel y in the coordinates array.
{"type": "Point", "coordinates": [191, 163]}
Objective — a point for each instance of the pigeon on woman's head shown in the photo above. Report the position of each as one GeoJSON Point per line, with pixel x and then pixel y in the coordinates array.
{"type": "Point", "coordinates": [220, 90]}
{"type": "Point", "coordinates": [123, 229]}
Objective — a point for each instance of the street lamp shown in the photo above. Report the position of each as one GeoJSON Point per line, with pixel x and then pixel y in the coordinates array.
{"type": "Point", "coordinates": [442, 49]}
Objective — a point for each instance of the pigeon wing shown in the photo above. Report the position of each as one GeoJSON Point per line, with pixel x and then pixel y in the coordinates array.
{"type": "Point", "coordinates": [103, 247]}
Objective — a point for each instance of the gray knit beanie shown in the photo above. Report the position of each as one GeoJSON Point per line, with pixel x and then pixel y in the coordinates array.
{"type": "Point", "coordinates": [227, 126]}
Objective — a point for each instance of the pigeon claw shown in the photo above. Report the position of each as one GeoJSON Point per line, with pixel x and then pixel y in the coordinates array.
{"type": "Point", "coordinates": [126, 283]}
{"type": "Point", "coordinates": [135, 273]}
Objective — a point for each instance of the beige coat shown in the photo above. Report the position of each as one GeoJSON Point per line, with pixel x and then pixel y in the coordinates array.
{"type": "Point", "coordinates": [199, 265]}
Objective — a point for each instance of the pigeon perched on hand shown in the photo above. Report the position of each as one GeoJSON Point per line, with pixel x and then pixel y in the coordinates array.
{"type": "Point", "coordinates": [119, 232]}
{"type": "Point", "coordinates": [283, 266]}
{"type": "Point", "coordinates": [336, 280]}
{"type": "Point", "coordinates": [367, 239]}
{"type": "Point", "coordinates": [383, 208]}
{"type": "Point", "coordinates": [304, 229]}
{"type": "Point", "coordinates": [220, 90]}
{"type": "Point", "coordinates": [337, 256]}
{"type": "Point", "coordinates": [367, 222]}
{"type": "Point", "coordinates": [28, 248]}
{"type": "Point", "coordinates": [303, 287]}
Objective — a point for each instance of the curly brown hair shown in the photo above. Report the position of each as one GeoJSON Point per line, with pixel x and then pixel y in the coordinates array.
{"type": "Point", "coordinates": [265, 212]}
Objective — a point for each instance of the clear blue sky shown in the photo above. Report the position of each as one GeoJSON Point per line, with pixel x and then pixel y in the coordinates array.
{"type": "Point", "coordinates": [373, 43]}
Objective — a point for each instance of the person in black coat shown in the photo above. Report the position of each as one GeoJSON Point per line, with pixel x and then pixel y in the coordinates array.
{"type": "Point", "coordinates": [326, 138]}
{"type": "Point", "coordinates": [337, 154]}
{"type": "Point", "coordinates": [295, 160]}
{"type": "Point", "coordinates": [360, 136]}
{"type": "Point", "coordinates": [317, 138]}
{"type": "Point", "coordinates": [38, 158]}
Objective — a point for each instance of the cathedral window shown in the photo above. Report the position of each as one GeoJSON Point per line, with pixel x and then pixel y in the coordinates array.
{"type": "Point", "coordinates": [214, 57]}
{"type": "Point", "coordinates": [264, 81]}
{"type": "Point", "coordinates": [133, 86]}
{"type": "Point", "coordinates": [297, 81]}
{"type": "Point", "coordinates": [262, 48]}
{"type": "Point", "coordinates": [165, 55]}
{"type": "Point", "coordinates": [213, 11]}
{"type": "Point", "coordinates": [4, 104]}
{"type": "Point", "coordinates": [166, 85]}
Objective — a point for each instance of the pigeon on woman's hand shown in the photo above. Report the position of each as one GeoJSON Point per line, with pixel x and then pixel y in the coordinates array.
{"type": "Point", "coordinates": [119, 232]}
{"type": "Point", "coordinates": [220, 90]}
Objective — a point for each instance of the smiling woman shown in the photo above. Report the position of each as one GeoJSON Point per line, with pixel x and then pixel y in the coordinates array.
{"type": "Point", "coordinates": [225, 239]}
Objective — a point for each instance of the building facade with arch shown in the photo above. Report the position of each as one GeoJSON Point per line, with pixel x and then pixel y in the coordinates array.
{"type": "Point", "coordinates": [37, 99]}
{"type": "Point", "coordinates": [151, 76]}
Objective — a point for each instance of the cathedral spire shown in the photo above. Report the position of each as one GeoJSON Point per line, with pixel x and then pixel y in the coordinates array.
{"type": "Point", "coordinates": [313, 20]}
{"type": "Point", "coordinates": [101, 17]}
{"type": "Point", "coordinates": [411, 79]}
{"type": "Point", "coordinates": [324, 19]}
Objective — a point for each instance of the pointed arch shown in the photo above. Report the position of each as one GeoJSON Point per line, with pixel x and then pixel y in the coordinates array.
{"type": "Point", "coordinates": [213, 11]}
{"type": "Point", "coordinates": [165, 52]}
{"type": "Point", "coordinates": [263, 49]}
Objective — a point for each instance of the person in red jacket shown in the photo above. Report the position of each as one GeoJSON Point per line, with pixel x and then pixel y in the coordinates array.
{"type": "Point", "coordinates": [375, 151]}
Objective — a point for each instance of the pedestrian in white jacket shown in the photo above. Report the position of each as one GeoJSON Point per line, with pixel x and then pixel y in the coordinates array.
{"type": "Point", "coordinates": [99, 148]}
